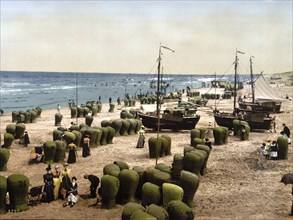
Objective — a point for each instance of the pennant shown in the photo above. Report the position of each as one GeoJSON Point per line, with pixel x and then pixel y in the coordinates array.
{"type": "Point", "coordinates": [168, 48]}
{"type": "Point", "coordinates": [240, 52]}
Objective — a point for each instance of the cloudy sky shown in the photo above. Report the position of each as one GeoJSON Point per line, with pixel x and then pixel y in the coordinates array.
{"type": "Point", "coordinates": [124, 36]}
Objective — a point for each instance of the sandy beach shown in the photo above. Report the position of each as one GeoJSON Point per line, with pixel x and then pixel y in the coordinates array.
{"type": "Point", "coordinates": [239, 184]}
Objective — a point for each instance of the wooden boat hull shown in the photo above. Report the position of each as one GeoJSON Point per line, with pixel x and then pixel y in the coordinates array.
{"type": "Point", "coordinates": [151, 121]}
{"type": "Point", "coordinates": [255, 120]}
{"type": "Point", "coordinates": [271, 107]}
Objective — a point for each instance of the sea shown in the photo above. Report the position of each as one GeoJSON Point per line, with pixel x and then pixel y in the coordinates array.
{"type": "Point", "coordinates": [21, 91]}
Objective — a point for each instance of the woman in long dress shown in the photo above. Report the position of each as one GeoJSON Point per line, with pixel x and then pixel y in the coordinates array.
{"type": "Point", "coordinates": [49, 185]}
{"type": "Point", "coordinates": [57, 181]}
{"type": "Point", "coordinates": [72, 155]}
{"type": "Point", "coordinates": [86, 146]}
{"type": "Point", "coordinates": [65, 186]}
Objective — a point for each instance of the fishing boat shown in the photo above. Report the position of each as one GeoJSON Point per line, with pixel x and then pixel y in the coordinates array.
{"type": "Point", "coordinates": [171, 118]}
{"type": "Point", "coordinates": [255, 119]}
{"type": "Point", "coordinates": [259, 95]}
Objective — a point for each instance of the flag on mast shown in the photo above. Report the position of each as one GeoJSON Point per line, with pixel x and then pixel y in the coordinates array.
{"type": "Point", "coordinates": [168, 48]}
{"type": "Point", "coordinates": [240, 52]}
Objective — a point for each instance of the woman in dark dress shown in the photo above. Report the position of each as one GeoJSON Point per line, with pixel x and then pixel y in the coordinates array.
{"type": "Point", "coordinates": [86, 146]}
{"type": "Point", "coordinates": [26, 139]}
{"type": "Point", "coordinates": [49, 185]}
{"type": "Point", "coordinates": [72, 155]}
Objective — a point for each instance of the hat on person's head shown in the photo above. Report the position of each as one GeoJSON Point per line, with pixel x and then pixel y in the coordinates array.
{"type": "Point", "coordinates": [65, 165]}
{"type": "Point", "coordinates": [85, 176]}
{"type": "Point", "coordinates": [48, 168]}
{"type": "Point", "coordinates": [56, 167]}
{"type": "Point", "coordinates": [284, 124]}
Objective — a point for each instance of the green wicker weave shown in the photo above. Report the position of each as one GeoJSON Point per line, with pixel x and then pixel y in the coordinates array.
{"type": "Point", "coordinates": [128, 185]}
{"type": "Point", "coordinates": [104, 136]}
{"type": "Point", "coordinates": [168, 150]}
{"type": "Point", "coordinates": [158, 212]}
{"type": "Point", "coordinates": [111, 134]}
{"type": "Point", "coordinates": [193, 162]}
{"type": "Point", "coordinates": [159, 178]}
{"type": "Point", "coordinates": [60, 152]}
{"type": "Point", "coordinates": [179, 210]}
{"type": "Point", "coordinates": [125, 127]}
{"type": "Point", "coordinates": [112, 107]}
{"type": "Point", "coordinates": [283, 148]}
{"type": "Point", "coordinates": [219, 135]}
{"type": "Point", "coordinates": [171, 192]}
{"type": "Point", "coordinates": [19, 130]}
{"type": "Point", "coordinates": [10, 128]}
{"type": "Point", "coordinates": [58, 119]}
{"type": "Point", "coordinates": [49, 152]}
{"type": "Point", "coordinates": [117, 124]}
{"type": "Point", "coordinates": [122, 165]}
{"type": "Point", "coordinates": [132, 126]}
{"type": "Point", "coordinates": [189, 183]}
{"type": "Point", "coordinates": [108, 191]}
{"type": "Point", "coordinates": [177, 167]}
{"type": "Point", "coordinates": [57, 135]}
{"type": "Point", "coordinates": [27, 117]}
{"type": "Point", "coordinates": [17, 186]}
{"type": "Point", "coordinates": [73, 112]}
{"type": "Point", "coordinates": [4, 157]}
{"type": "Point", "coordinates": [8, 140]}
{"type": "Point", "coordinates": [111, 169]}
{"type": "Point", "coordinates": [89, 120]}
{"type": "Point", "coordinates": [141, 215]}
{"type": "Point", "coordinates": [3, 191]}
{"type": "Point", "coordinates": [194, 133]}
{"type": "Point", "coordinates": [151, 194]}
{"type": "Point", "coordinates": [154, 147]}
{"type": "Point", "coordinates": [142, 179]}
{"type": "Point", "coordinates": [129, 209]}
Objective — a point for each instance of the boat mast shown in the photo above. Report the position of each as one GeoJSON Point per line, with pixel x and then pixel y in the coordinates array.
{"type": "Point", "coordinates": [158, 100]}
{"type": "Point", "coordinates": [158, 88]}
{"type": "Point", "coordinates": [251, 80]}
{"type": "Point", "coordinates": [235, 79]}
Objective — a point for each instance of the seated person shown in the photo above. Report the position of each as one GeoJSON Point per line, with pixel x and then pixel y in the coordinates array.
{"type": "Point", "coordinates": [274, 150]}
{"type": "Point", "coordinates": [264, 150]}
{"type": "Point", "coordinates": [36, 155]}
{"type": "Point", "coordinates": [71, 200]}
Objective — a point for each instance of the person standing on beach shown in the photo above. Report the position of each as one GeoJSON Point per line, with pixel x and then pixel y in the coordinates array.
{"type": "Point", "coordinates": [118, 101]}
{"type": "Point", "coordinates": [110, 100]}
{"type": "Point", "coordinates": [86, 146]}
{"type": "Point", "coordinates": [49, 185]}
{"type": "Point", "coordinates": [66, 182]}
{"type": "Point", "coordinates": [286, 130]}
{"type": "Point", "coordinates": [26, 139]}
{"type": "Point", "coordinates": [57, 181]}
{"type": "Point", "coordinates": [58, 108]}
{"type": "Point", "coordinates": [141, 138]}
{"type": "Point", "coordinates": [72, 155]}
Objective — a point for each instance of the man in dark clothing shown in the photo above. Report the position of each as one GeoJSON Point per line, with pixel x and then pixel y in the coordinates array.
{"type": "Point", "coordinates": [286, 130]}
{"type": "Point", "coordinates": [95, 181]}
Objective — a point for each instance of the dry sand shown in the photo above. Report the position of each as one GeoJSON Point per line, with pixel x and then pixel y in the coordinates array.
{"type": "Point", "coordinates": [239, 184]}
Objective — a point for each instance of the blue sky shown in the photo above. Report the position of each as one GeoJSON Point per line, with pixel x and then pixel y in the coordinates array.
{"type": "Point", "coordinates": [124, 36]}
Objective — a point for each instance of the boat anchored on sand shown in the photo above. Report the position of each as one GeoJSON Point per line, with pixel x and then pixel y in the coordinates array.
{"type": "Point", "coordinates": [178, 118]}
{"type": "Point", "coordinates": [255, 119]}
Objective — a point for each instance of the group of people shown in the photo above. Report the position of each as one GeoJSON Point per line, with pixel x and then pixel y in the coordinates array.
{"type": "Point", "coordinates": [270, 149]}
{"type": "Point", "coordinates": [58, 185]}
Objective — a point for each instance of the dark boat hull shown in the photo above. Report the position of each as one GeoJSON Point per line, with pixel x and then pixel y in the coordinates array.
{"type": "Point", "coordinates": [255, 121]}
{"type": "Point", "coordinates": [151, 121]}
{"type": "Point", "coordinates": [271, 107]}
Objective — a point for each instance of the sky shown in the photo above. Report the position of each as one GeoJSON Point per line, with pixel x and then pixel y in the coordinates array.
{"type": "Point", "coordinates": [125, 36]}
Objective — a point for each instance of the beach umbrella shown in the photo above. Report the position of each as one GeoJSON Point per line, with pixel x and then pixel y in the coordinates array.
{"type": "Point", "coordinates": [288, 179]}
